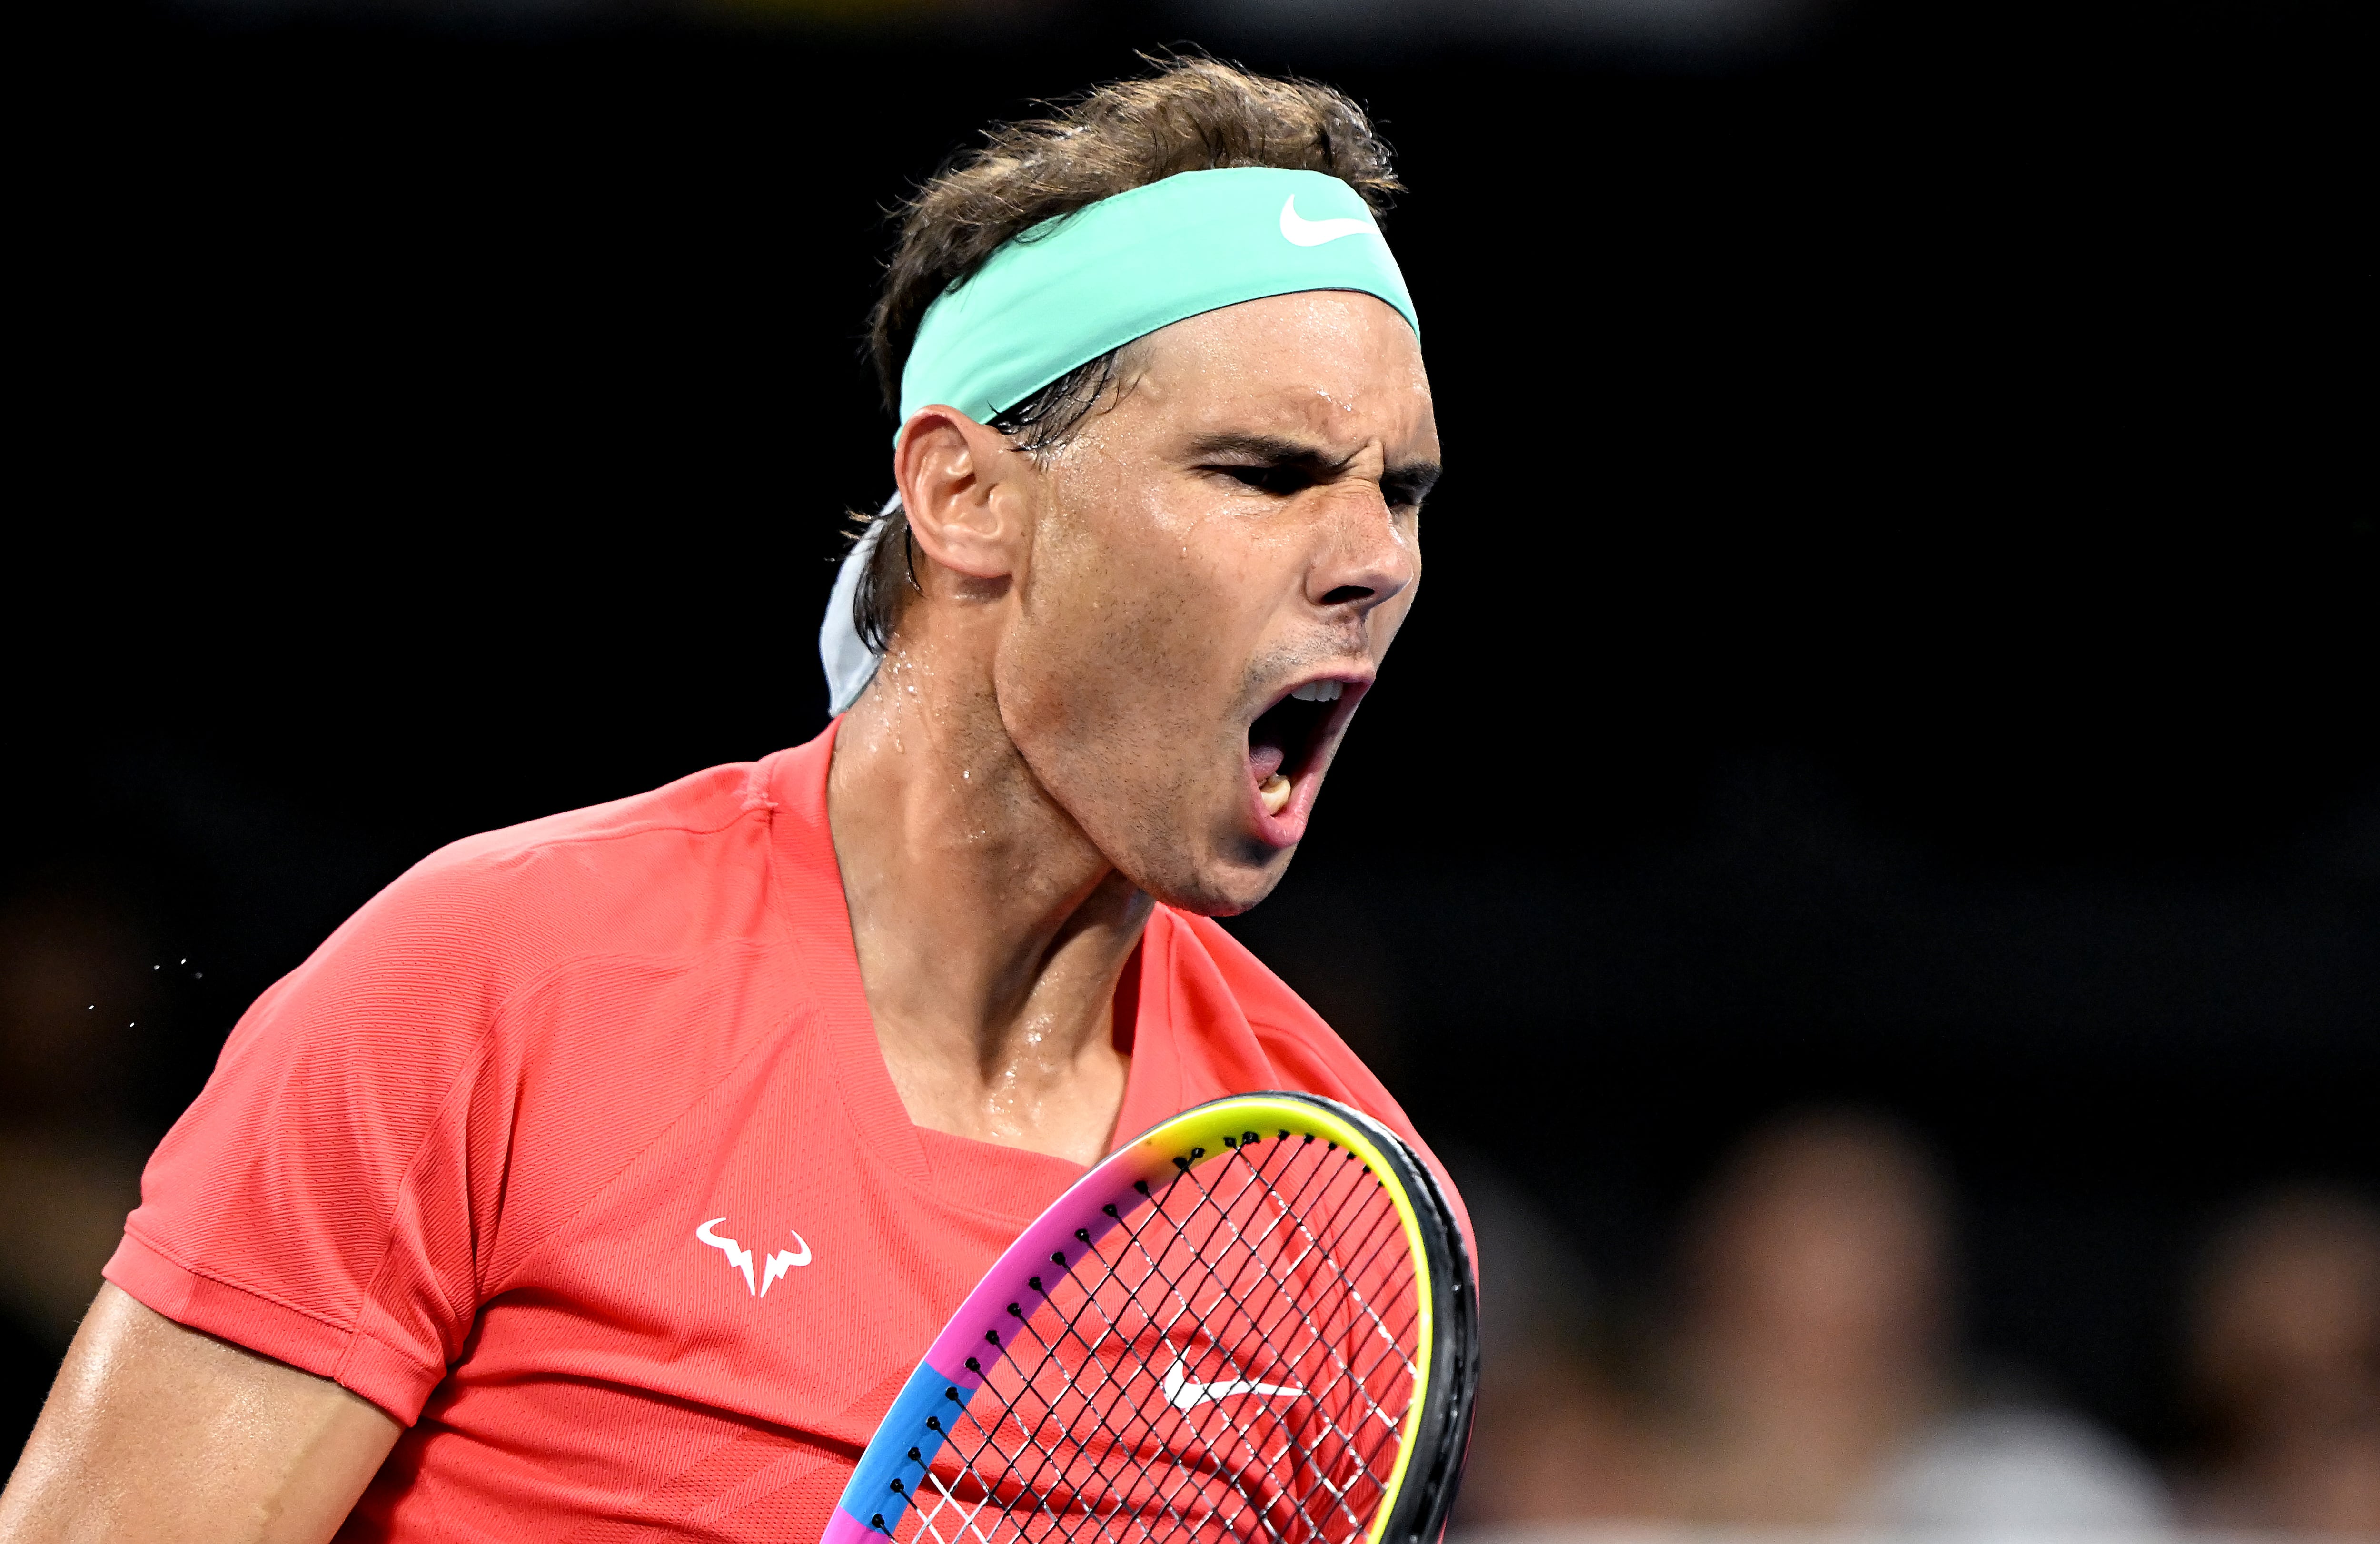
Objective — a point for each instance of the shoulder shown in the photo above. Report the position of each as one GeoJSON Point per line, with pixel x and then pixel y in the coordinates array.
{"type": "Point", "coordinates": [401, 1119]}
{"type": "Point", "coordinates": [615, 842]}
{"type": "Point", "coordinates": [417, 1024]}
{"type": "Point", "coordinates": [430, 961]}
{"type": "Point", "coordinates": [530, 894]}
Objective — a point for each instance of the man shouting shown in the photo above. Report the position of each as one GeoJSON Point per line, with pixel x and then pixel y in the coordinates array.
{"type": "Point", "coordinates": [605, 1177]}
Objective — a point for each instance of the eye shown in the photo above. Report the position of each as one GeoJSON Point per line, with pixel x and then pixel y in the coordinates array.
{"type": "Point", "coordinates": [1280, 482]}
{"type": "Point", "coordinates": [1404, 493]}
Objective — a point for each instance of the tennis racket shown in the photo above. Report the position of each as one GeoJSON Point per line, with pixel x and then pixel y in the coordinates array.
{"type": "Point", "coordinates": [1256, 1322]}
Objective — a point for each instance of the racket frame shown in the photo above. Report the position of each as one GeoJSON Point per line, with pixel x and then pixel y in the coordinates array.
{"type": "Point", "coordinates": [978, 1336]}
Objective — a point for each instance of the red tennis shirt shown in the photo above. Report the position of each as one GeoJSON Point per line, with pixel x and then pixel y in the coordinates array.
{"type": "Point", "coordinates": [573, 1150]}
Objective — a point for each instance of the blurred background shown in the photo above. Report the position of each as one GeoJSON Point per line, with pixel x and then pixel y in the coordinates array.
{"type": "Point", "coordinates": [1867, 863]}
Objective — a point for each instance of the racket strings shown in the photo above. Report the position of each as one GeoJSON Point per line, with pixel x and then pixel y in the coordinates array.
{"type": "Point", "coordinates": [1126, 1436]}
{"type": "Point", "coordinates": [1236, 1361]}
{"type": "Point", "coordinates": [1133, 1434]}
{"type": "Point", "coordinates": [1246, 1259]}
{"type": "Point", "coordinates": [1384, 1230]}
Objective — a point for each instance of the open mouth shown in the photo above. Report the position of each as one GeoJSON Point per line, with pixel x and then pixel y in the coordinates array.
{"type": "Point", "coordinates": [1286, 741]}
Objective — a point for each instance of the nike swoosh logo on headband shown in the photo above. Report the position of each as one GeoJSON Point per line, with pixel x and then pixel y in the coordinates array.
{"type": "Point", "coordinates": [1303, 232]}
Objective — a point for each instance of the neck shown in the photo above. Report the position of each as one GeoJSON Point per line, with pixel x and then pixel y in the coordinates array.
{"type": "Point", "coordinates": [991, 932]}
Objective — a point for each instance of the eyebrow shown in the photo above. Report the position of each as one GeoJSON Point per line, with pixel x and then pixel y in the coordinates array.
{"type": "Point", "coordinates": [1406, 483]}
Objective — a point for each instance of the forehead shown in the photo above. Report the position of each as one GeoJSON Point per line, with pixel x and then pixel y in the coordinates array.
{"type": "Point", "coordinates": [1331, 364]}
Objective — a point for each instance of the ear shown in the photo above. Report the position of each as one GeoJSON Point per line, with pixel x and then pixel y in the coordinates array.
{"type": "Point", "coordinates": [963, 492]}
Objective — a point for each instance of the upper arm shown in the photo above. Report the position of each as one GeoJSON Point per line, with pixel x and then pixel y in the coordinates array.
{"type": "Point", "coordinates": [157, 1433]}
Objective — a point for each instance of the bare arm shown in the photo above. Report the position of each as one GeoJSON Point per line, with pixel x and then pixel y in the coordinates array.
{"type": "Point", "coordinates": [155, 1432]}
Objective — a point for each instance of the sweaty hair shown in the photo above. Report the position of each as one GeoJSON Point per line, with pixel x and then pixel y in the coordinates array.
{"type": "Point", "coordinates": [1190, 114]}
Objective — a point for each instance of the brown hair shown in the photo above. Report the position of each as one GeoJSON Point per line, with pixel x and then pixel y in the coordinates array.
{"type": "Point", "coordinates": [1191, 114]}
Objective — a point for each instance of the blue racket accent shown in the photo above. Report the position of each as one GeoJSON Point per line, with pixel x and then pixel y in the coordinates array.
{"type": "Point", "coordinates": [891, 1472]}
{"type": "Point", "coordinates": [887, 1478]}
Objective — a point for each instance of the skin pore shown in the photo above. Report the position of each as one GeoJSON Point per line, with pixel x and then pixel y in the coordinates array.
{"type": "Point", "coordinates": [1061, 733]}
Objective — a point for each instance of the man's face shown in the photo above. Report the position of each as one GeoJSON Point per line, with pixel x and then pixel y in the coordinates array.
{"type": "Point", "coordinates": [1218, 566]}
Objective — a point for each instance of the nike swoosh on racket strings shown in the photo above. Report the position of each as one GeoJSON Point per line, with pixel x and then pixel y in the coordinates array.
{"type": "Point", "coordinates": [1181, 1393]}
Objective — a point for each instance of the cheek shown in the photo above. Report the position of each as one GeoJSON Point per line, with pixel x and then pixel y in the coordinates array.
{"type": "Point", "coordinates": [1107, 660]}
{"type": "Point", "coordinates": [1137, 602]}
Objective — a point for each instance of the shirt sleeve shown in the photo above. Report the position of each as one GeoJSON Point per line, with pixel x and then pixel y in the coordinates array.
{"type": "Point", "coordinates": [324, 1200]}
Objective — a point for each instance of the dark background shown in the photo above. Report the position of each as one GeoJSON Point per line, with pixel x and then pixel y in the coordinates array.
{"type": "Point", "coordinates": [1899, 625]}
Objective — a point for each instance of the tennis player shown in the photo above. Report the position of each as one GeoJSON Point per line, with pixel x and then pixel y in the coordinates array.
{"type": "Point", "coordinates": [605, 1177]}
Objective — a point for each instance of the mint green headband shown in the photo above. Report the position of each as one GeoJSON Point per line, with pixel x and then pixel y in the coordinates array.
{"type": "Point", "coordinates": [1071, 288]}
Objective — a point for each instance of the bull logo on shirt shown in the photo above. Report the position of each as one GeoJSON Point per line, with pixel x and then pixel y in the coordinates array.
{"type": "Point", "coordinates": [740, 1258]}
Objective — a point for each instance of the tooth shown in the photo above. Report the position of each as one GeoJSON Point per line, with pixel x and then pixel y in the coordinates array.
{"type": "Point", "coordinates": [1274, 791]}
{"type": "Point", "coordinates": [1310, 692]}
{"type": "Point", "coordinates": [1329, 692]}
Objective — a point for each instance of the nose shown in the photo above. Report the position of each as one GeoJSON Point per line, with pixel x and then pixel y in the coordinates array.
{"type": "Point", "coordinates": [1366, 556]}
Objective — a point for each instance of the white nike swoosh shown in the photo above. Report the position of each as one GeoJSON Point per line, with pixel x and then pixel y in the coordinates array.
{"type": "Point", "coordinates": [1181, 1393]}
{"type": "Point", "coordinates": [1303, 232]}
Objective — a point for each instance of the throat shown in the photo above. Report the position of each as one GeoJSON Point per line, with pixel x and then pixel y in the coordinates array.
{"type": "Point", "coordinates": [1041, 1088]}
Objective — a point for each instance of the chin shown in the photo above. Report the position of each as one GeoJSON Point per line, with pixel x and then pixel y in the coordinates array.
{"type": "Point", "coordinates": [1209, 884]}
{"type": "Point", "coordinates": [1230, 901]}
